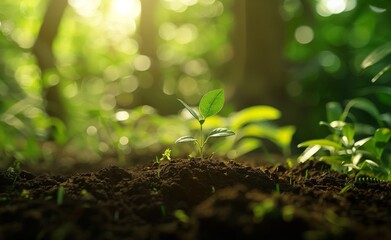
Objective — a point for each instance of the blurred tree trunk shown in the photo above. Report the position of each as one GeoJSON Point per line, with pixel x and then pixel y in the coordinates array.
{"type": "Point", "coordinates": [150, 91]}
{"type": "Point", "coordinates": [43, 51]}
{"type": "Point", "coordinates": [258, 54]}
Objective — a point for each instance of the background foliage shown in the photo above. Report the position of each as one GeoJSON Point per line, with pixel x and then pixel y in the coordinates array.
{"type": "Point", "coordinates": [105, 80]}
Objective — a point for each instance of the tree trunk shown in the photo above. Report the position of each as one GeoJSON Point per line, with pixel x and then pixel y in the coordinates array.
{"type": "Point", "coordinates": [258, 48]}
{"type": "Point", "coordinates": [43, 51]}
{"type": "Point", "coordinates": [151, 93]}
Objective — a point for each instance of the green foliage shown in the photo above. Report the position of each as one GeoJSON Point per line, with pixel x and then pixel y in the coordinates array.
{"type": "Point", "coordinates": [211, 103]}
{"type": "Point", "coordinates": [345, 151]}
{"type": "Point", "coordinates": [255, 127]}
{"type": "Point", "coordinates": [375, 56]}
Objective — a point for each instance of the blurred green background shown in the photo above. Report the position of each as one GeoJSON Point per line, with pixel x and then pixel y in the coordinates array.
{"type": "Point", "coordinates": [82, 80]}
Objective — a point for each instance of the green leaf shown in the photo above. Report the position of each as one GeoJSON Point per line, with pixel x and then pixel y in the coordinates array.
{"type": "Point", "coordinates": [246, 145]}
{"type": "Point", "coordinates": [334, 111]}
{"type": "Point", "coordinates": [185, 139]}
{"type": "Point", "coordinates": [335, 161]}
{"type": "Point", "coordinates": [220, 132]}
{"type": "Point", "coordinates": [211, 103]}
{"type": "Point", "coordinates": [308, 153]}
{"type": "Point", "coordinates": [320, 142]}
{"type": "Point", "coordinates": [381, 73]}
{"type": "Point", "coordinates": [376, 55]}
{"type": "Point", "coordinates": [348, 132]}
{"type": "Point", "coordinates": [361, 142]}
{"type": "Point", "coordinates": [365, 105]}
{"type": "Point", "coordinates": [254, 114]}
{"type": "Point", "coordinates": [195, 115]}
{"type": "Point", "coordinates": [381, 138]}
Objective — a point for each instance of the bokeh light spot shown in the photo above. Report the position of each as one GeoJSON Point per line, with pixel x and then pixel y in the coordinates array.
{"type": "Point", "coordinates": [92, 130]}
{"type": "Point", "coordinates": [122, 115]}
{"type": "Point", "coordinates": [142, 63]}
{"type": "Point", "coordinates": [329, 61]}
{"type": "Point", "coordinates": [186, 33]}
{"type": "Point", "coordinates": [167, 31]}
{"type": "Point", "coordinates": [304, 34]}
{"type": "Point", "coordinates": [126, 8]}
{"type": "Point", "coordinates": [129, 84]}
{"type": "Point", "coordinates": [85, 8]}
{"type": "Point", "coordinates": [71, 90]}
{"type": "Point", "coordinates": [187, 86]}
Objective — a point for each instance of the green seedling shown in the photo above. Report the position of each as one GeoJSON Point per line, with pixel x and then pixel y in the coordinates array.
{"type": "Point", "coordinates": [163, 210]}
{"type": "Point", "coordinates": [211, 103]}
{"type": "Point", "coordinates": [25, 194]}
{"type": "Point", "coordinates": [278, 191]}
{"type": "Point", "coordinates": [165, 156]}
{"type": "Point", "coordinates": [181, 216]}
{"type": "Point", "coordinates": [60, 195]}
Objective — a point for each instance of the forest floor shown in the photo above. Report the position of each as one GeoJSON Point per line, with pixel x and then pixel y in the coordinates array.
{"type": "Point", "coordinates": [194, 199]}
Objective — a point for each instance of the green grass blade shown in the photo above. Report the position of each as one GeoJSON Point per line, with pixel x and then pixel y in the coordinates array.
{"type": "Point", "coordinates": [376, 55]}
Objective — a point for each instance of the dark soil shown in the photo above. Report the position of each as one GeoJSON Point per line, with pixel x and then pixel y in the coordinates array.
{"type": "Point", "coordinates": [194, 199]}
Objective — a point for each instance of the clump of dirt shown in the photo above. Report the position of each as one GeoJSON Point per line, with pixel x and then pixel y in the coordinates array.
{"type": "Point", "coordinates": [194, 199]}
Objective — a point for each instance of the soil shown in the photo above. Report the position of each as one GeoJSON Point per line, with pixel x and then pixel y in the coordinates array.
{"type": "Point", "coordinates": [194, 199]}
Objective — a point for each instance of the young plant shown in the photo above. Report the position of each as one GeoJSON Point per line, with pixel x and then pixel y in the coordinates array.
{"type": "Point", "coordinates": [165, 156]}
{"type": "Point", "coordinates": [344, 151]}
{"type": "Point", "coordinates": [211, 103]}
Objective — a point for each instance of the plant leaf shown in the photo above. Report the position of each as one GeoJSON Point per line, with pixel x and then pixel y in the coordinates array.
{"type": "Point", "coordinates": [220, 132]}
{"type": "Point", "coordinates": [365, 105]}
{"type": "Point", "coordinates": [254, 114]}
{"type": "Point", "coordinates": [376, 55]}
{"type": "Point", "coordinates": [211, 103]}
{"type": "Point", "coordinates": [245, 146]}
{"type": "Point", "coordinates": [348, 132]}
{"type": "Point", "coordinates": [381, 138]}
{"type": "Point", "coordinates": [381, 73]}
{"type": "Point", "coordinates": [185, 139]}
{"type": "Point", "coordinates": [195, 115]}
{"type": "Point", "coordinates": [334, 111]}
{"type": "Point", "coordinates": [320, 142]}
{"type": "Point", "coordinates": [308, 153]}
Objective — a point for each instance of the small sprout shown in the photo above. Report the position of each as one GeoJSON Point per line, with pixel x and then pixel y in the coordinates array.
{"type": "Point", "coordinates": [213, 189]}
{"type": "Point", "coordinates": [60, 195]}
{"type": "Point", "coordinates": [288, 213]}
{"type": "Point", "coordinates": [163, 210]}
{"type": "Point", "coordinates": [165, 156]}
{"type": "Point", "coordinates": [263, 208]}
{"type": "Point", "coordinates": [25, 194]}
{"type": "Point", "coordinates": [346, 188]}
{"type": "Point", "coordinates": [86, 195]}
{"type": "Point", "coordinates": [181, 216]}
{"type": "Point", "coordinates": [211, 103]}
{"type": "Point", "coordinates": [307, 174]}
{"type": "Point", "coordinates": [277, 188]}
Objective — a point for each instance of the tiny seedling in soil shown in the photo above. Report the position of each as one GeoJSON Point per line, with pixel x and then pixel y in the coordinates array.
{"type": "Point", "coordinates": [211, 103]}
{"type": "Point", "coordinates": [60, 195]}
{"type": "Point", "coordinates": [165, 156]}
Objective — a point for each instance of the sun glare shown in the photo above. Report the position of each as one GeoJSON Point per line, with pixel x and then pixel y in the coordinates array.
{"type": "Point", "coordinates": [326, 8]}
{"type": "Point", "coordinates": [117, 8]}
{"type": "Point", "coordinates": [123, 8]}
